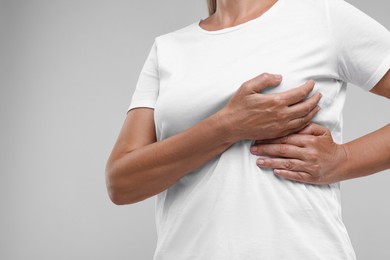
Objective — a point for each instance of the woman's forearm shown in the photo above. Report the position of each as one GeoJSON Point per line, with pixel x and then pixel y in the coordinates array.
{"type": "Point", "coordinates": [249, 115]}
{"type": "Point", "coordinates": [157, 166]}
{"type": "Point", "coordinates": [367, 155]}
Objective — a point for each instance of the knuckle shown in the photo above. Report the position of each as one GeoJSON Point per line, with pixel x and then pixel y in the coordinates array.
{"type": "Point", "coordinates": [316, 154]}
{"type": "Point", "coordinates": [302, 94]}
{"type": "Point", "coordinates": [265, 76]}
{"type": "Point", "coordinates": [280, 116]}
{"type": "Point", "coordinates": [246, 85]}
{"type": "Point", "coordinates": [278, 100]}
{"type": "Point", "coordinates": [311, 126]}
{"type": "Point", "coordinates": [308, 109]}
{"type": "Point", "coordinates": [311, 139]}
{"type": "Point", "coordinates": [289, 164]}
{"type": "Point", "coordinates": [269, 111]}
{"type": "Point", "coordinates": [299, 176]}
{"type": "Point", "coordinates": [283, 149]}
{"type": "Point", "coordinates": [313, 155]}
{"type": "Point", "coordinates": [316, 168]}
{"type": "Point", "coordinates": [309, 156]}
{"type": "Point", "coordinates": [283, 116]}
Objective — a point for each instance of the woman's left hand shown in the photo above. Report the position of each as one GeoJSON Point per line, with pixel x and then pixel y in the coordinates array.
{"type": "Point", "coordinates": [309, 155]}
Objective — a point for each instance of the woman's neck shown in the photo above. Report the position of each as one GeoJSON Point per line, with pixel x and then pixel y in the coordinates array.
{"type": "Point", "coordinates": [232, 12]}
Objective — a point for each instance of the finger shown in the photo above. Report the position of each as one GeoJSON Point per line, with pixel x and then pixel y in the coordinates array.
{"type": "Point", "coordinates": [303, 108]}
{"type": "Point", "coordinates": [301, 140]}
{"type": "Point", "coordinates": [261, 82]}
{"type": "Point", "coordinates": [297, 129]}
{"type": "Point", "coordinates": [294, 176]}
{"type": "Point", "coordinates": [297, 94]}
{"type": "Point", "coordinates": [280, 150]}
{"type": "Point", "coordinates": [315, 129]}
{"type": "Point", "coordinates": [279, 163]}
{"type": "Point", "coordinates": [298, 122]}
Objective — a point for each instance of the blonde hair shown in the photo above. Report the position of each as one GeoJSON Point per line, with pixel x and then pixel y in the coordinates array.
{"type": "Point", "coordinates": [212, 6]}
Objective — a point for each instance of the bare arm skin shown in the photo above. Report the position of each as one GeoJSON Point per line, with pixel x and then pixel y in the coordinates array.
{"type": "Point", "coordinates": [311, 156]}
{"type": "Point", "coordinates": [370, 153]}
{"type": "Point", "coordinates": [140, 167]}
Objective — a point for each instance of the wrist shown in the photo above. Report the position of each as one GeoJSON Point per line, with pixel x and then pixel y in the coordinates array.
{"type": "Point", "coordinates": [344, 162]}
{"type": "Point", "coordinates": [222, 123]}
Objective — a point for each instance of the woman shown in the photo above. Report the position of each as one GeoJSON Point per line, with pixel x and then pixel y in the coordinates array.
{"type": "Point", "coordinates": [208, 92]}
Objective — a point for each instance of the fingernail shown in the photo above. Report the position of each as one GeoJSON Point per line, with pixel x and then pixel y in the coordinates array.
{"type": "Point", "coordinates": [253, 148]}
{"type": "Point", "coordinates": [318, 108]}
{"type": "Point", "coordinates": [260, 161]}
{"type": "Point", "coordinates": [277, 171]}
{"type": "Point", "coordinates": [278, 76]}
{"type": "Point", "coordinates": [320, 94]}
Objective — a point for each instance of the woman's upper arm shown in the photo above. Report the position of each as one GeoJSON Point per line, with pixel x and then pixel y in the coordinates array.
{"type": "Point", "coordinates": [382, 88]}
{"type": "Point", "coordinates": [361, 45]}
{"type": "Point", "coordinates": [138, 130]}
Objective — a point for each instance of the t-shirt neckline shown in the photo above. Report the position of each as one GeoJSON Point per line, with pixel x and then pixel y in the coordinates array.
{"type": "Point", "coordinates": [271, 10]}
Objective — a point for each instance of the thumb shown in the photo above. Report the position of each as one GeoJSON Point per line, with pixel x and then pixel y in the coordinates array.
{"type": "Point", "coordinates": [261, 82]}
{"type": "Point", "coordinates": [314, 129]}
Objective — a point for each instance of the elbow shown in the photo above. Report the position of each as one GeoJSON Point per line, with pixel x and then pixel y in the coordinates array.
{"type": "Point", "coordinates": [114, 192]}
{"type": "Point", "coordinates": [120, 196]}
{"type": "Point", "coordinates": [116, 197]}
{"type": "Point", "coordinates": [117, 194]}
{"type": "Point", "coordinates": [121, 189]}
{"type": "Point", "coordinates": [115, 189]}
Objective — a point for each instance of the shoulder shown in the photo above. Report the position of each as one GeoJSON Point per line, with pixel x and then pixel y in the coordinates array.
{"type": "Point", "coordinates": [304, 10]}
{"type": "Point", "coordinates": [310, 4]}
{"type": "Point", "coordinates": [320, 5]}
{"type": "Point", "coordinates": [180, 34]}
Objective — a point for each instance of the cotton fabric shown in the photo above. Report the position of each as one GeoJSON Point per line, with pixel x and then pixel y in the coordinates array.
{"type": "Point", "coordinates": [230, 208]}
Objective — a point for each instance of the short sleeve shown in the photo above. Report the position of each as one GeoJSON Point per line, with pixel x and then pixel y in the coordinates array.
{"type": "Point", "coordinates": [147, 87]}
{"type": "Point", "coordinates": [362, 44]}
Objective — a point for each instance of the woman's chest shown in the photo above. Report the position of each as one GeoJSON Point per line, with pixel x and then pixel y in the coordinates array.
{"type": "Point", "coordinates": [197, 81]}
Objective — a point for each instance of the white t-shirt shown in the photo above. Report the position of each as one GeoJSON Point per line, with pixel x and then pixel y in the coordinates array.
{"type": "Point", "coordinates": [229, 208]}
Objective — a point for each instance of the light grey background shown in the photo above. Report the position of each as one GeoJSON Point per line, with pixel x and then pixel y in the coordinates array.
{"type": "Point", "coordinates": [68, 70]}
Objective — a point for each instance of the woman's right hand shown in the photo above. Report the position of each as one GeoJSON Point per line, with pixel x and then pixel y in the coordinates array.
{"type": "Point", "coordinates": [249, 114]}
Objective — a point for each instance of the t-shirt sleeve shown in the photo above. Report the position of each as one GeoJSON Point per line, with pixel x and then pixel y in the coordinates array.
{"type": "Point", "coordinates": [147, 87]}
{"type": "Point", "coordinates": [362, 44]}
